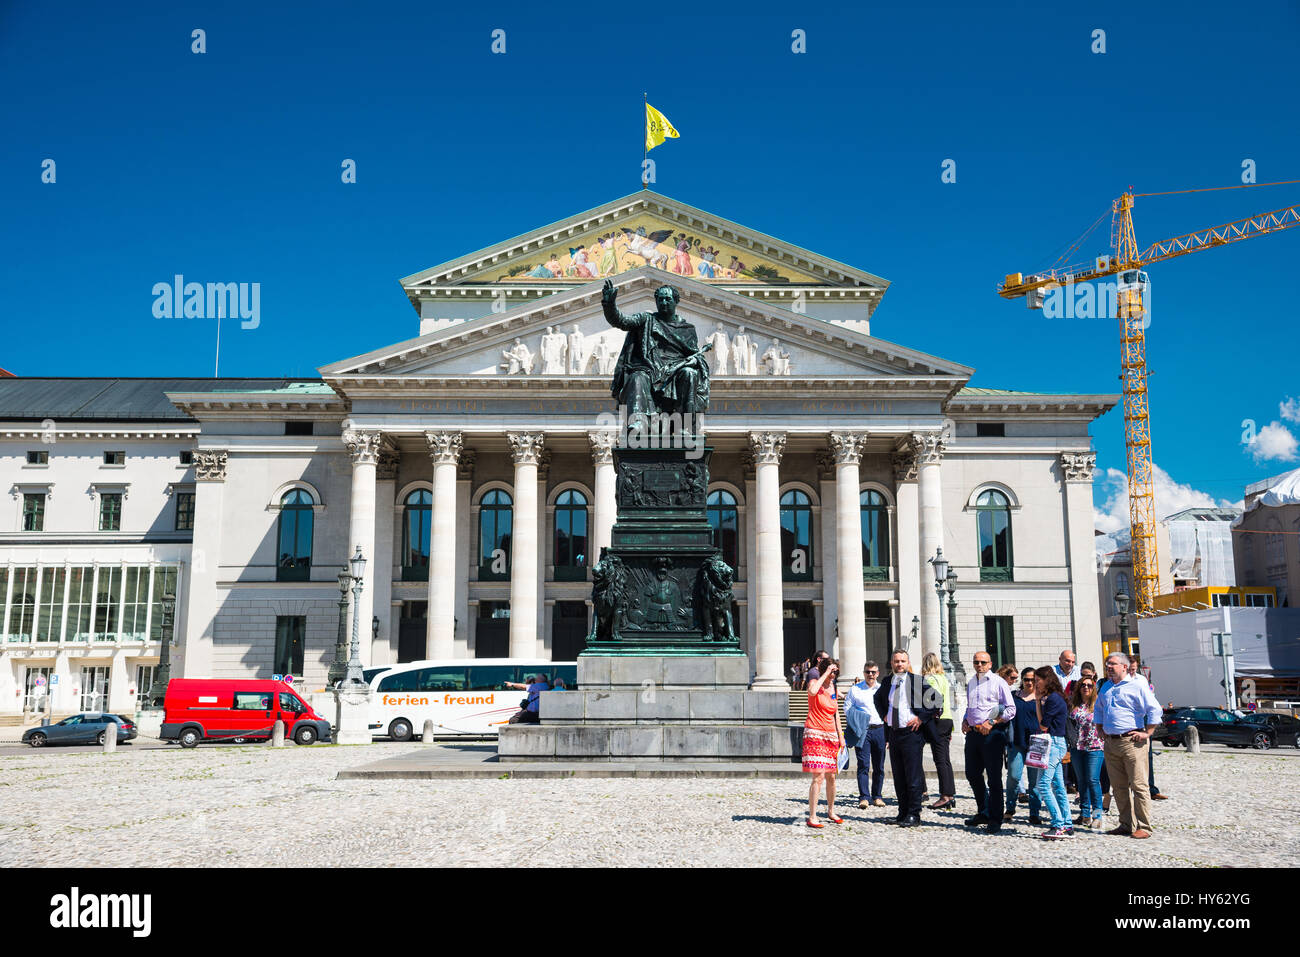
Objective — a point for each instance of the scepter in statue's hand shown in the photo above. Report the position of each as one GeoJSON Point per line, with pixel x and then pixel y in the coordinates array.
{"type": "Point", "coordinates": [678, 366]}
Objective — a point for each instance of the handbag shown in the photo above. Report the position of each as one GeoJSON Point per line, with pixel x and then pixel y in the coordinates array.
{"type": "Point", "coordinates": [1039, 745]}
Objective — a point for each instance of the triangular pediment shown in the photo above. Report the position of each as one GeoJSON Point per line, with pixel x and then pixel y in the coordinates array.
{"type": "Point", "coordinates": [642, 229]}
{"type": "Point", "coordinates": [566, 335]}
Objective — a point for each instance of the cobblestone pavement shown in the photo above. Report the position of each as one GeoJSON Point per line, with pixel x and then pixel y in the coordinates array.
{"type": "Point", "coordinates": [251, 806]}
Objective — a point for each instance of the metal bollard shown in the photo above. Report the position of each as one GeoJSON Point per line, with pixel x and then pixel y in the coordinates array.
{"type": "Point", "coordinates": [427, 736]}
{"type": "Point", "coordinates": [277, 735]}
{"type": "Point", "coordinates": [1193, 739]}
{"type": "Point", "coordinates": [110, 737]}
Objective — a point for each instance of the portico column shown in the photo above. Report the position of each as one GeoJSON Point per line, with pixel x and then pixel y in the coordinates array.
{"type": "Point", "coordinates": [1076, 470]}
{"type": "Point", "coordinates": [768, 448]}
{"type": "Point", "coordinates": [440, 637]}
{"type": "Point", "coordinates": [193, 658]}
{"type": "Point", "coordinates": [526, 448]}
{"type": "Point", "coordinates": [929, 453]}
{"type": "Point", "coordinates": [364, 446]}
{"type": "Point", "coordinates": [606, 506]}
{"type": "Point", "coordinates": [909, 550]}
{"type": "Point", "coordinates": [852, 647]}
{"type": "Point", "coordinates": [384, 651]}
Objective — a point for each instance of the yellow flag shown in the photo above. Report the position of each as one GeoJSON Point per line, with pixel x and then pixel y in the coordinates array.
{"type": "Point", "coordinates": [657, 128]}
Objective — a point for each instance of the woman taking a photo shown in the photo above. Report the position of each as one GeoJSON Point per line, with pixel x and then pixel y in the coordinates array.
{"type": "Point", "coordinates": [932, 672]}
{"type": "Point", "coordinates": [822, 741]}
{"type": "Point", "coordinates": [1087, 756]}
{"type": "Point", "coordinates": [1052, 718]}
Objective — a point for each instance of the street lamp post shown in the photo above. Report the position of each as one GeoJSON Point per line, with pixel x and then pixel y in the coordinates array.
{"type": "Point", "coordinates": [339, 666]}
{"type": "Point", "coordinates": [158, 691]}
{"type": "Point", "coordinates": [1121, 606]}
{"type": "Point", "coordinates": [916, 624]}
{"type": "Point", "coordinates": [952, 628]}
{"type": "Point", "coordinates": [940, 578]}
{"type": "Point", "coordinates": [355, 677]}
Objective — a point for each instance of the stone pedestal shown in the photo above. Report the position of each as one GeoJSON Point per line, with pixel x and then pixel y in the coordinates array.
{"type": "Point", "coordinates": [149, 723]}
{"type": "Point", "coordinates": [657, 708]}
{"type": "Point", "coordinates": [352, 715]}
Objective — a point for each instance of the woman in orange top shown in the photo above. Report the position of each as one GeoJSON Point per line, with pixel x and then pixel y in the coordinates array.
{"type": "Point", "coordinates": [822, 740]}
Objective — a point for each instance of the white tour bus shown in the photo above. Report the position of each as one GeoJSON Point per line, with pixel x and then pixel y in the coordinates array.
{"type": "Point", "coordinates": [459, 695]}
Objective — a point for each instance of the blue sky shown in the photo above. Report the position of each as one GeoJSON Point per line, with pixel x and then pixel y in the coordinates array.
{"type": "Point", "coordinates": [225, 166]}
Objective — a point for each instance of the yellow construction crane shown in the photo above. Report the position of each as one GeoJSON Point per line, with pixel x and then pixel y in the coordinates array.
{"type": "Point", "coordinates": [1126, 261]}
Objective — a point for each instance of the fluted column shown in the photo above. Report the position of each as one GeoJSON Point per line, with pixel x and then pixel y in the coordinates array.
{"type": "Point", "coordinates": [364, 445]}
{"type": "Point", "coordinates": [909, 549]}
{"type": "Point", "coordinates": [526, 448]}
{"type": "Point", "coordinates": [929, 453]}
{"type": "Point", "coordinates": [606, 505]}
{"type": "Point", "coordinates": [440, 638]}
{"type": "Point", "coordinates": [768, 448]}
{"type": "Point", "coordinates": [852, 646]}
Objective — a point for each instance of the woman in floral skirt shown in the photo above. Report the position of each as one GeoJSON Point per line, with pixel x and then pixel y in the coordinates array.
{"type": "Point", "coordinates": [822, 740]}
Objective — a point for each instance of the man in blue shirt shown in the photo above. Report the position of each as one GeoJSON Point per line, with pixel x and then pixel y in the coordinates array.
{"type": "Point", "coordinates": [530, 713]}
{"type": "Point", "coordinates": [1126, 714]}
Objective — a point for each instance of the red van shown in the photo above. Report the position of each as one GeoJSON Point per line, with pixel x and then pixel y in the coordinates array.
{"type": "Point", "coordinates": [222, 709]}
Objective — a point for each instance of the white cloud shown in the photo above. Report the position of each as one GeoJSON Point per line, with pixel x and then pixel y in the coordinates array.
{"type": "Point", "coordinates": [1274, 441]}
{"type": "Point", "coordinates": [1112, 517]}
{"type": "Point", "coordinates": [1290, 409]}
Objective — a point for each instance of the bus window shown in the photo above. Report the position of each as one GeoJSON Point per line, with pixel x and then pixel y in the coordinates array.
{"type": "Point", "coordinates": [490, 677]}
{"type": "Point", "coordinates": [402, 681]}
{"type": "Point", "coordinates": [440, 679]}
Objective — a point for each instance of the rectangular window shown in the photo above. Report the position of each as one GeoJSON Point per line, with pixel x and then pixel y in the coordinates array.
{"type": "Point", "coordinates": [252, 701]}
{"type": "Point", "coordinates": [110, 512]}
{"type": "Point", "coordinates": [1259, 601]}
{"type": "Point", "coordinates": [136, 585]}
{"type": "Point", "coordinates": [33, 512]}
{"type": "Point", "coordinates": [298, 428]}
{"type": "Point", "coordinates": [186, 457]}
{"type": "Point", "coordinates": [990, 429]}
{"type": "Point", "coordinates": [290, 636]}
{"type": "Point", "coordinates": [184, 511]}
{"type": "Point", "coordinates": [144, 678]}
{"type": "Point", "coordinates": [80, 580]}
{"type": "Point", "coordinates": [999, 640]}
{"type": "Point", "coordinates": [115, 458]}
{"type": "Point", "coordinates": [109, 590]}
{"type": "Point", "coordinates": [22, 609]}
{"type": "Point", "coordinates": [164, 583]}
{"type": "Point", "coordinates": [49, 621]}
{"type": "Point", "coordinates": [38, 458]}
{"type": "Point", "coordinates": [34, 694]}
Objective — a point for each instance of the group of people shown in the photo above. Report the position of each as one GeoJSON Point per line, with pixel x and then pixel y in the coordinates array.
{"type": "Point", "coordinates": [530, 708]}
{"type": "Point", "coordinates": [799, 672]}
{"type": "Point", "coordinates": [1033, 725]}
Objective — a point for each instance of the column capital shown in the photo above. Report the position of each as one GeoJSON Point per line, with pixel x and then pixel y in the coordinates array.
{"type": "Point", "coordinates": [210, 465]}
{"type": "Point", "coordinates": [1078, 466]}
{"type": "Point", "coordinates": [928, 446]}
{"type": "Point", "coordinates": [465, 469]}
{"type": "Point", "coordinates": [445, 447]}
{"type": "Point", "coordinates": [905, 464]}
{"type": "Point", "coordinates": [847, 447]}
{"type": "Point", "coordinates": [363, 445]}
{"type": "Point", "coordinates": [768, 447]}
{"type": "Point", "coordinates": [386, 467]}
{"type": "Point", "coordinates": [526, 447]}
{"type": "Point", "coordinates": [602, 446]}
{"type": "Point", "coordinates": [825, 463]}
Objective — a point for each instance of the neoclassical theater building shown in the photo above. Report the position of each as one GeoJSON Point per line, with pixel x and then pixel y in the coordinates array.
{"type": "Point", "coordinates": [474, 466]}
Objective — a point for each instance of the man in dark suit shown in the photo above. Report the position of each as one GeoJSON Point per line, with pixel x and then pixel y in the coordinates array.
{"type": "Point", "coordinates": [908, 711]}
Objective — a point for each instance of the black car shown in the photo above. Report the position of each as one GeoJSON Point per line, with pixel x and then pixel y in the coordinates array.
{"type": "Point", "coordinates": [1215, 726]}
{"type": "Point", "coordinates": [1285, 727]}
{"type": "Point", "coordinates": [89, 727]}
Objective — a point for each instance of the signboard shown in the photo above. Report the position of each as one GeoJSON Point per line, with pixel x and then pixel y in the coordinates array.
{"type": "Point", "coordinates": [288, 679]}
{"type": "Point", "coordinates": [54, 679]}
{"type": "Point", "coordinates": [277, 677]}
{"type": "Point", "coordinates": [40, 681]}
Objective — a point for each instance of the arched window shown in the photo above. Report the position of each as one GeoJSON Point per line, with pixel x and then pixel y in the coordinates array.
{"type": "Point", "coordinates": [796, 536]}
{"type": "Point", "coordinates": [571, 536]}
{"type": "Point", "coordinates": [1121, 585]}
{"type": "Point", "coordinates": [293, 561]}
{"type": "Point", "coordinates": [725, 521]}
{"type": "Point", "coordinates": [875, 536]}
{"type": "Point", "coordinates": [416, 517]}
{"type": "Point", "coordinates": [993, 517]}
{"type": "Point", "coordinates": [495, 515]}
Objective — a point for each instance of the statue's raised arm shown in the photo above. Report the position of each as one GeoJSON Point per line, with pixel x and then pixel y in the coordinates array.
{"type": "Point", "coordinates": [615, 318]}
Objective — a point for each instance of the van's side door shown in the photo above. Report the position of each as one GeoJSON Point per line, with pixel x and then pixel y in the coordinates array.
{"type": "Point", "coordinates": [290, 711]}
{"type": "Point", "coordinates": [252, 711]}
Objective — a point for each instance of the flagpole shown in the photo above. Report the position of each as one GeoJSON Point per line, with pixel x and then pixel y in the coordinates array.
{"type": "Point", "coordinates": [645, 152]}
